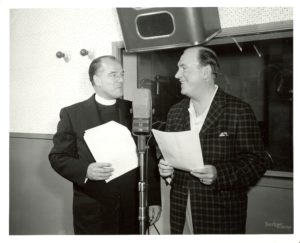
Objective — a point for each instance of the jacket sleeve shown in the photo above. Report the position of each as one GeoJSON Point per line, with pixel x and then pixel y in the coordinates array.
{"type": "Point", "coordinates": [64, 156]}
{"type": "Point", "coordinates": [251, 160]}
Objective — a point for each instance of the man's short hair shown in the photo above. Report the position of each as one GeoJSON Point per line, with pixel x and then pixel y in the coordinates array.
{"type": "Point", "coordinates": [97, 65]}
{"type": "Point", "coordinates": [206, 57]}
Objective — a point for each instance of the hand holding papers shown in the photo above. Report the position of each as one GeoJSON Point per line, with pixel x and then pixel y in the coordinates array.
{"type": "Point", "coordinates": [112, 143]}
{"type": "Point", "coordinates": [181, 149]}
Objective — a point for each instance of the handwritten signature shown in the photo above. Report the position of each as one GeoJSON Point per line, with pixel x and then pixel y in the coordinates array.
{"type": "Point", "coordinates": [278, 225]}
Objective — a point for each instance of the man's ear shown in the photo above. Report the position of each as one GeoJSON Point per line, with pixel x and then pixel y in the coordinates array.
{"type": "Point", "coordinates": [207, 71]}
{"type": "Point", "coordinates": [97, 80]}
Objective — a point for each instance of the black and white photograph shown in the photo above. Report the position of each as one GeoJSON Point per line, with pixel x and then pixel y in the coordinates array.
{"type": "Point", "coordinates": [150, 121]}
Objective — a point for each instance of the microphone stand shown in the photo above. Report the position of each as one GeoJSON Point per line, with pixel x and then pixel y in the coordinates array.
{"type": "Point", "coordinates": [141, 127]}
{"type": "Point", "coordinates": [143, 183]}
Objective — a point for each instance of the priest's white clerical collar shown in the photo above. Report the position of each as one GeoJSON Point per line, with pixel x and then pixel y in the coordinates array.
{"type": "Point", "coordinates": [103, 101]}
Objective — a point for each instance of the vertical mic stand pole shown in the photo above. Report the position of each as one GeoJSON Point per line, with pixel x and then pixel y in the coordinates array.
{"type": "Point", "coordinates": [143, 187]}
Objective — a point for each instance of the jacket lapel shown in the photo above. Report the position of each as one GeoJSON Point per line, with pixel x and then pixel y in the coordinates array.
{"type": "Point", "coordinates": [215, 110]}
{"type": "Point", "coordinates": [182, 122]}
{"type": "Point", "coordinates": [186, 117]}
{"type": "Point", "coordinates": [92, 113]}
{"type": "Point", "coordinates": [124, 113]}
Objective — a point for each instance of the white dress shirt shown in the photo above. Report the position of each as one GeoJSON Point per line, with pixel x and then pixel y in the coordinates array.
{"type": "Point", "coordinates": [196, 122]}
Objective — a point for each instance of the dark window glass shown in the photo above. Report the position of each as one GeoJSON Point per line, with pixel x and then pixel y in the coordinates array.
{"type": "Point", "coordinates": [155, 25]}
{"type": "Point", "coordinates": [262, 75]}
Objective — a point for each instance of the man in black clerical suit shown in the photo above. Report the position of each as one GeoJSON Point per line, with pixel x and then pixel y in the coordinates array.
{"type": "Point", "coordinates": [100, 207]}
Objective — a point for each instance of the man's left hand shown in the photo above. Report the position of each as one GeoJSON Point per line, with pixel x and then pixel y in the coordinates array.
{"type": "Point", "coordinates": [207, 175]}
{"type": "Point", "coordinates": [154, 213]}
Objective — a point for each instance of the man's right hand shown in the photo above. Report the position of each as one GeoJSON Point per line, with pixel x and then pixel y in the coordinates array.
{"type": "Point", "coordinates": [165, 169]}
{"type": "Point", "coordinates": [99, 171]}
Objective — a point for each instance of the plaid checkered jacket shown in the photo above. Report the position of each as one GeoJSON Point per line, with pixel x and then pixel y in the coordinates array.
{"type": "Point", "coordinates": [231, 141]}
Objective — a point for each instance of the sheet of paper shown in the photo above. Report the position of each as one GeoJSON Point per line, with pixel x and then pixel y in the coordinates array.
{"type": "Point", "coordinates": [181, 149]}
{"type": "Point", "coordinates": [113, 143]}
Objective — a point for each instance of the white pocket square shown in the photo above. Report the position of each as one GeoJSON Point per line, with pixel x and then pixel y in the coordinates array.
{"type": "Point", "coordinates": [223, 134]}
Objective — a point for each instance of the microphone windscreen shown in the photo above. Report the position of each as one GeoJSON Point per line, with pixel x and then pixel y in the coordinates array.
{"type": "Point", "coordinates": [142, 103]}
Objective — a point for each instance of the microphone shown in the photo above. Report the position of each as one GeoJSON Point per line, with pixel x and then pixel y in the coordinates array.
{"type": "Point", "coordinates": [141, 127]}
{"type": "Point", "coordinates": [142, 112]}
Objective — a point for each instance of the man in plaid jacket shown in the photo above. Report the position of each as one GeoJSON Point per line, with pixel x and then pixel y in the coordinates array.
{"type": "Point", "coordinates": [212, 200]}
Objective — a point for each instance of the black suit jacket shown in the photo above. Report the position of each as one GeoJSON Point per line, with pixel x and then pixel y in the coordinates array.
{"type": "Point", "coordinates": [70, 157]}
{"type": "Point", "coordinates": [231, 141]}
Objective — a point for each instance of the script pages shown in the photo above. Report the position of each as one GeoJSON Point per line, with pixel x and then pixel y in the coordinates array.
{"type": "Point", "coordinates": [181, 149]}
{"type": "Point", "coordinates": [112, 143]}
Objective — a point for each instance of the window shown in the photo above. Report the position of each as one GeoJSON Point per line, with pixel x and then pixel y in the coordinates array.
{"type": "Point", "coordinates": [257, 66]}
